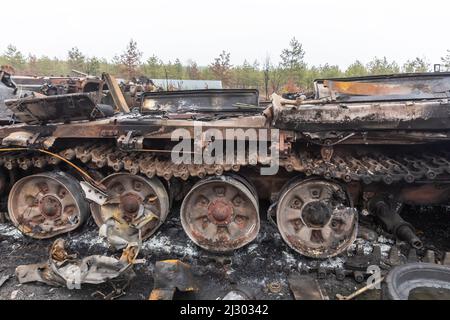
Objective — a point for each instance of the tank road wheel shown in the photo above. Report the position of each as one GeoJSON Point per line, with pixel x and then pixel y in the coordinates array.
{"type": "Point", "coordinates": [316, 218]}
{"type": "Point", "coordinates": [47, 204]}
{"type": "Point", "coordinates": [134, 201]}
{"type": "Point", "coordinates": [221, 214]}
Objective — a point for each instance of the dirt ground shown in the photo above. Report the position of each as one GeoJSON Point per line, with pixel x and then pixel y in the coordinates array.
{"type": "Point", "coordinates": [261, 268]}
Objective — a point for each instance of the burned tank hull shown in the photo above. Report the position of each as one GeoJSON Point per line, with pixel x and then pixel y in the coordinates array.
{"type": "Point", "coordinates": [321, 162]}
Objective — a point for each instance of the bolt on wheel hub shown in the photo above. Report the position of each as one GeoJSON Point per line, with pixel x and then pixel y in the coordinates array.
{"type": "Point", "coordinates": [220, 212]}
{"type": "Point", "coordinates": [316, 214]}
{"type": "Point", "coordinates": [50, 207]}
{"type": "Point", "coordinates": [130, 203]}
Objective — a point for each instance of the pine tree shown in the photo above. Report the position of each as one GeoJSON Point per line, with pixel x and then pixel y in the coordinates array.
{"type": "Point", "coordinates": [382, 66]}
{"type": "Point", "coordinates": [131, 59]}
{"type": "Point", "coordinates": [292, 57]}
{"type": "Point", "coordinates": [14, 58]}
{"type": "Point", "coordinates": [221, 68]}
{"type": "Point", "coordinates": [92, 66]}
{"type": "Point", "coordinates": [76, 59]}
{"type": "Point", "coordinates": [356, 69]}
{"type": "Point", "coordinates": [192, 70]}
{"type": "Point", "coordinates": [292, 62]}
{"type": "Point", "coordinates": [416, 65]}
{"type": "Point", "coordinates": [446, 60]}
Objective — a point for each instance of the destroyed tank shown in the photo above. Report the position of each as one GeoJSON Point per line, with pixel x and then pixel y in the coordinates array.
{"type": "Point", "coordinates": [358, 146]}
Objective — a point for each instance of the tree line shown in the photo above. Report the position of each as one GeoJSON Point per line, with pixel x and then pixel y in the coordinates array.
{"type": "Point", "coordinates": [291, 74]}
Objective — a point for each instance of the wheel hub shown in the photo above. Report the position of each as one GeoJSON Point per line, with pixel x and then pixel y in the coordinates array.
{"type": "Point", "coordinates": [50, 207]}
{"type": "Point", "coordinates": [316, 214]}
{"type": "Point", "coordinates": [130, 203]}
{"type": "Point", "coordinates": [220, 212]}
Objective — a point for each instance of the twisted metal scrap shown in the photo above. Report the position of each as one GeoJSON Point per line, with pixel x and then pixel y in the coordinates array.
{"type": "Point", "coordinates": [64, 269]}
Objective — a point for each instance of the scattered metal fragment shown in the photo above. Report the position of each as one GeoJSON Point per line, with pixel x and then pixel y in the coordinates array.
{"type": "Point", "coordinates": [446, 259]}
{"type": "Point", "coordinates": [305, 287]}
{"type": "Point", "coordinates": [430, 257]}
{"type": "Point", "coordinates": [395, 256]}
{"type": "Point", "coordinates": [360, 291]}
{"type": "Point", "coordinates": [64, 269]}
{"type": "Point", "coordinates": [340, 274]}
{"type": "Point", "coordinates": [321, 273]}
{"type": "Point", "coordinates": [118, 235]}
{"type": "Point", "coordinates": [361, 261]}
{"type": "Point", "coordinates": [14, 294]}
{"type": "Point", "coordinates": [118, 290]}
{"type": "Point", "coordinates": [274, 287]}
{"type": "Point", "coordinates": [358, 276]}
{"type": "Point", "coordinates": [169, 276]}
{"type": "Point", "coordinates": [238, 294]}
{"type": "Point", "coordinates": [412, 256]}
{"type": "Point", "coordinates": [3, 279]}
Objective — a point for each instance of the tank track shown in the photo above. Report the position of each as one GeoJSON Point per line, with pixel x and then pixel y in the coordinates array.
{"type": "Point", "coordinates": [380, 167]}
{"type": "Point", "coordinates": [368, 168]}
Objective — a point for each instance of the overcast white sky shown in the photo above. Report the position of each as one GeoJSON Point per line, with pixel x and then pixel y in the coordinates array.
{"type": "Point", "coordinates": [337, 32]}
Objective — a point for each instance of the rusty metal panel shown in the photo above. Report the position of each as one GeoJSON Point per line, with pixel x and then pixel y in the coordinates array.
{"type": "Point", "coordinates": [423, 115]}
{"type": "Point", "coordinates": [231, 100]}
{"type": "Point", "coordinates": [116, 93]}
{"type": "Point", "coordinates": [53, 109]}
{"type": "Point", "coordinates": [380, 88]}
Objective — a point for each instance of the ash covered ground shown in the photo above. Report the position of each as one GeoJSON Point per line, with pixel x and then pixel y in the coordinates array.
{"type": "Point", "coordinates": [261, 268]}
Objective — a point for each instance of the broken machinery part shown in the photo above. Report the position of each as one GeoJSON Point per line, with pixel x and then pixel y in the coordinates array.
{"type": "Point", "coordinates": [316, 218]}
{"type": "Point", "coordinates": [418, 281]}
{"type": "Point", "coordinates": [169, 276]}
{"type": "Point", "coordinates": [361, 290]}
{"type": "Point", "coordinates": [238, 294]}
{"type": "Point", "coordinates": [305, 287]}
{"type": "Point", "coordinates": [387, 211]}
{"type": "Point", "coordinates": [133, 201]}
{"type": "Point", "coordinates": [116, 93]}
{"type": "Point", "coordinates": [64, 269]}
{"type": "Point", "coordinates": [58, 109]}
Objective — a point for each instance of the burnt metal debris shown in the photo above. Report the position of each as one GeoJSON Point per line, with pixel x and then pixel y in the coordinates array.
{"type": "Point", "coordinates": [8, 90]}
{"type": "Point", "coordinates": [416, 281]}
{"type": "Point", "coordinates": [305, 287]}
{"type": "Point", "coordinates": [171, 276]}
{"type": "Point", "coordinates": [64, 269]}
{"type": "Point", "coordinates": [357, 147]}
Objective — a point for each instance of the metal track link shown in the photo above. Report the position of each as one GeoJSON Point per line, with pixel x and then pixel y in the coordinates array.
{"type": "Point", "coordinates": [368, 168]}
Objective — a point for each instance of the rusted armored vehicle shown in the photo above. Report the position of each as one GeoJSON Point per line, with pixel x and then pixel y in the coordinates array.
{"type": "Point", "coordinates": [360, 146]}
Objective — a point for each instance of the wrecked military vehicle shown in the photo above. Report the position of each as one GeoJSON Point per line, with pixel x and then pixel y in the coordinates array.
{"type": "Point", "coordinates": [363, 145]}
